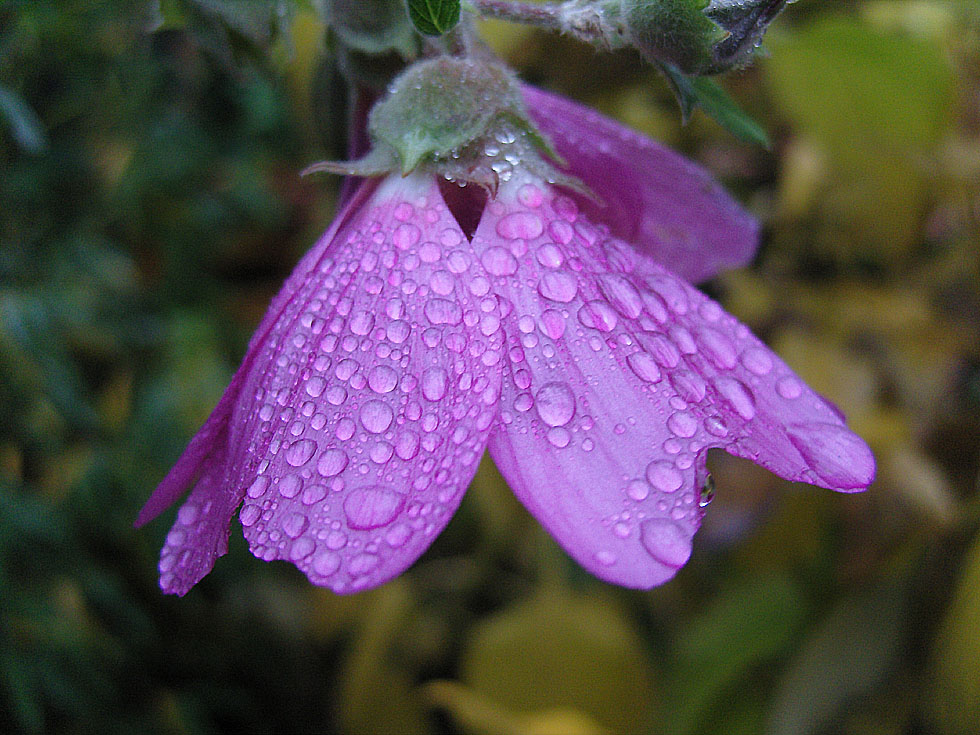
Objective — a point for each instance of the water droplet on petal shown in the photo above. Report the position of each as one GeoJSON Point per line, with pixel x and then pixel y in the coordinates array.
{"type": "Point", "coordinates": [441, 311]}
{"type": "Point", "coordinates": [520, 226]}
{"type": "Point", "coordinates": [558, 286]}
{"type": "Point", "coordinates": [290, 485]}
{"type": "Point", "coordinates": [555, 403]}
{"type": "Point", "coordinates": [683, 424]}
{"type": "Point", "coordinates": [249, 515]}
{"type": "Point", "coordinates": [372, 507]}
{"type": "Point", "coordinates": [434, 382]}
{"type": "Point", "coordinates": [331, 462]}
{"type": "Point", "coordinates": [550, 255]}
{"type": "Point", "coordinates": [499, 262]}
{"type": "Point", "coordinates": [789, 387]}
{"type": "Point", "coordinates": [299, 453]}
{"type": "Point", "coordinates": [255, 490]}
{"type": "Point", "coordinates": [707, 491]}
{"type": "Point", "coordinates": [638, 490]}
{"type": "Point", "coordinates": [362, 564]}
{"type": "Point", "coordinates": [376, 416]}
{"type": "Point", "coordinates": [621, 294]}
{"type": "Point", "coordinates": [718, 348]}
{"type": "Point", "coordinates": [597, 315]}
{"type": "Point", "coordinates": [644, 366]}
{"type": "Point", "coordinates": [326, 563]}
{"type": "Point", "coordinates": [666, 542]}
{"type": "Point", "coordinates": [315, 386]}
{"type": "Point", "coordinates": [664, 476]}
{"type": "Point", "coordinates": [301, 548]}
{"type": "Point", "coordinates": [382, 379]}
{"type": "Point", "coordinates": [295, 524]}
{"type": "Point", "coordinates": [559, 437]}
{"type": "Point", "coordinates": [757, 361]}
{"type": "Point", "coordinates": [552, 323]}
{"type": "Point", "coordinates": [738, 396]}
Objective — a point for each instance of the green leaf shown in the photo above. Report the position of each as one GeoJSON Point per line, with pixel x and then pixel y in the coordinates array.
{"type": "Point", "coordinates": [434, 17]}
{"type": "Point", "coordinates": [702, 92]}
{"type": "Point", "coordinates": [24, 124]}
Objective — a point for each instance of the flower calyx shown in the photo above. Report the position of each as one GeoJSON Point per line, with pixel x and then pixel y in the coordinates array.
{"type": "Point", "coordinates": [698, 37]}
{"type": "Point", "coordinates": [461, 118]}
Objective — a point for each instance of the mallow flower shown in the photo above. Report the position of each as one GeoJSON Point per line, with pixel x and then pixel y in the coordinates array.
{"type": "Point", "coordinates": [551, 323]}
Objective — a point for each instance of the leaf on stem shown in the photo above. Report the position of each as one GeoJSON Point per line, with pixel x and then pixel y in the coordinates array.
{"type": "Point", "coordinates": [434, 17]}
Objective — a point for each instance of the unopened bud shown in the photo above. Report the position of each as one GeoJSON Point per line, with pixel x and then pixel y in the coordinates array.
{"type": "Point", "coordinates": [698, 37]}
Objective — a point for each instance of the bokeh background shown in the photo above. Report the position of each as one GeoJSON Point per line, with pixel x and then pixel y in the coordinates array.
{"type": "Point", "coordinates": [150, 207]}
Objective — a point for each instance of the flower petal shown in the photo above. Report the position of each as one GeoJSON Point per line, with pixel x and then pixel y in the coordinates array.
{"type": "Point", "coordinates": [365, 415]}
{"type": "Point", "coordinates": [670, 209]}
{"type": "Point", "coordinates": [618, 383]}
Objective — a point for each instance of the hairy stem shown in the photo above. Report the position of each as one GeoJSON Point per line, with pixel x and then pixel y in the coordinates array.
{"type": "Point", "coordinates": [543, 16]}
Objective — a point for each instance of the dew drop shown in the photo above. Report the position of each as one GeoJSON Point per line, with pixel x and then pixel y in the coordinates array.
{"type": "Point", "coordinates": [376, 416]}
{"type": "Point", "coordinates": [434, 383]}
{"type": "Point", "coordinates": [621, 294]}
{"type": "Point", "coordinates": [644, 366]}
{"type": "Point", "coordinates": [683, 424]}
{"type": "Point", "coordinates": [757, 361]}
{"type": "Point", "coordinates": [738, 396]}
{"type": "Point", "coordinates": [558, 286]}
{"type": "Point", "coordinates": [638, 490]}
{"type": "Point", "coordinates": [249, 515]}
{"type": "Point", "coordinates": [326, 563]}
{"type": "Point", "coordinates": [372, 507]}
{"type": "Point", "coordinates": [290, 485]}
{"type": "Point", "coordinates": [559, 436]}
{"type": "Point", "coordinates": [664, 476]}
{"type": "Point", "coordinates": [382, 379]}
{"type": "Point", "coordinates": [555, 404]}
{"type": "Point", "coordinates": [552, 323]}
{"type": "Point", "coordinates": [331, 462]}
{"type": "Point", "coordinates": [295, 524]}
{"type": "Point", "coordinates": [597, 315]}
{"type": "Point", "coordinates": [520, 226]}
{"type": "Point", "coordinates": [666, 542]}
{"type": "Point", "coordinates": [718, 348]}
{"type": "Point", "coordinates": [499, 262]}
{"type": "Point", "coordinates": [789, 387]}
{"type": "Point", "coordinates": [315, 386]}
{"type": "Point", "coordinates": [301, 548]}
{"type": "Point", "coordinates": [550, 255]}
{"type": "Point", "coordinates": [256, 490]}
{"type": "Point", "coordinates": [299, 453]}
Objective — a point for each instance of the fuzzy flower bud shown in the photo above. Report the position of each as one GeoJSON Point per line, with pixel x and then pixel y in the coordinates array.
{"type": "Point", "coordinates": [699, 37]}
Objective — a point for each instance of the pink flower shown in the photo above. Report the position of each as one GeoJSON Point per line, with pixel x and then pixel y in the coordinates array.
{"type": "Point", "coordinates": [400, 349]}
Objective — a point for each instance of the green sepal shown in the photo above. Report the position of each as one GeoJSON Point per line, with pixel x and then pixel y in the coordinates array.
{"type": "Point", "coordinates": [434, 17]}
{"type": "Point", "coordinates": [702, 92]}
{"type": "Point", "coordinates": [439, 106]}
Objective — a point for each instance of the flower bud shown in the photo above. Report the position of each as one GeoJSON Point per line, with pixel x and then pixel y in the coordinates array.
{"type": "Point", "coordinates": [699, 37]}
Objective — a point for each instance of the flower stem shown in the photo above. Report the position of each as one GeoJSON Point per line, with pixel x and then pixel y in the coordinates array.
{"type": "Point", "coordinates": [543, 16]}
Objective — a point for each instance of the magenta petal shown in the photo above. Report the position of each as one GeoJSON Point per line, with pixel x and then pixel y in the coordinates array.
{"type": "Point", "coordinates": [670, 209]}
{"type": "Point", "coordinates": [366, 413]}
{"type": "Point", "coordinates": [619, 380]}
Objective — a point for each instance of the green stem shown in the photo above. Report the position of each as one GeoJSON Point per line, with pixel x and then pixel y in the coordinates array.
{"type": "Point", "coordinates": [543, 16]}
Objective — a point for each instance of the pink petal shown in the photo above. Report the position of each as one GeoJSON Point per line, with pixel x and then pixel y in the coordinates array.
{"type": "Point", "coordinates": [366, 412]}
{"type": "Point", "coordinates": [619, 380]}
{"type": "Point", "coordinates": [670, 209]}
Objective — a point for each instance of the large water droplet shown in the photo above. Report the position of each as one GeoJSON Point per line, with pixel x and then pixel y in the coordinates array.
{"type": "Point", "coordinates": [666, 542]}
{"type": "Point", "coordinates": [441, 311]}
{"type": "Point", "coordinates": [718, 348]}
{"type": "Point", "coordinates": [299, 453]}
{"type": "Point", "coordinates": [550, 255]}
{"type": "Point", "coordinates": [757, 361]}
{"type": "Point", "coordinates": [331, 462]}
{"type": "Point", "coordinates": [326, 563]}
{"type": "Point", "coordinates": [555, 403]}
{"type": "Point", "coordinates": [520, 226]}
{"type": "Point", "coordinates": [499, 262]}
{"type": "Point", "coordinates": [789, 387]}
{"type": "Point", "coordinates": [597, 315]}
{"type": "Point", "coordinates": [664, 476]}
{"type": "Point", "coordinates": [372, 507]}
{"type": "Point", "coordinates": [737, 395]}
{"type": "Point", "coordinates": [315, 386]}
{"type": "Point", "coordinates": [558, 286]}
{"type": "Point", "coordinates": [621, 294]}
{"type": "Point", "coordinates": [644, 366]}
{"type": "Point", "coordinates": [382, 379]}
{"type": "Point", "coordinates": [295, 524]}
{"type": "Point", "coordinates": [434, 382]}
{"type": "Point", "coordinates": [255, 490]}
{"type": "Point", "coordinates": [376, 416]}
{"type": "Point", "coordinates": [552, 323]}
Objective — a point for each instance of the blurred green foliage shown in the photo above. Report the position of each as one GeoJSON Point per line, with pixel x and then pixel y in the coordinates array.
{"type": "Point", "coordinates": [150, 207]}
